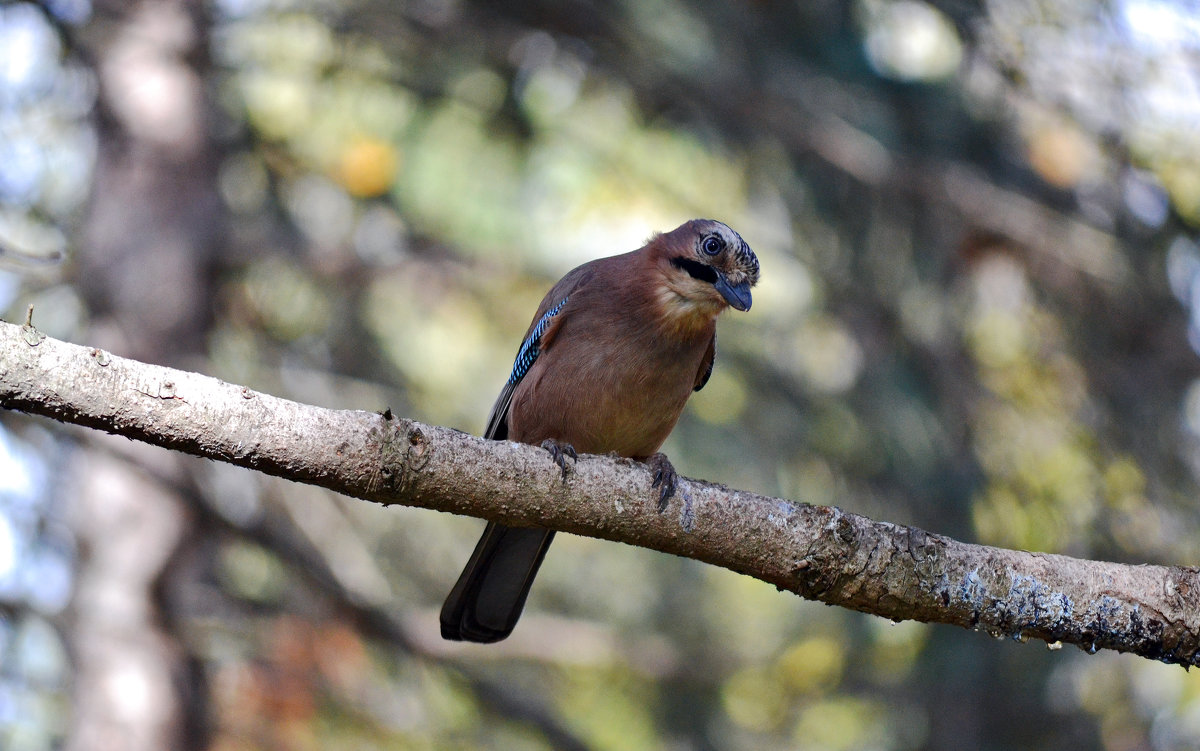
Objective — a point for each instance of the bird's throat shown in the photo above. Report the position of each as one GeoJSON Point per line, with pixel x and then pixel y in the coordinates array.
{"type": "Point", "coordinates": [683, 313]}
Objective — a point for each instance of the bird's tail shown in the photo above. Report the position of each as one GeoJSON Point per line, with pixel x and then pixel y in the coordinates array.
{"type": "Point", "coordinates": [487, 600]}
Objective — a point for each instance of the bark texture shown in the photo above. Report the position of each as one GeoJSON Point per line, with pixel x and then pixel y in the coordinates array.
{"type": "Point", "coordinates": [820, 553]}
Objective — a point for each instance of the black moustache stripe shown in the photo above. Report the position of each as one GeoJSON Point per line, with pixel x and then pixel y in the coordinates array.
{"type": "Point", "coordinates": [695, 269]}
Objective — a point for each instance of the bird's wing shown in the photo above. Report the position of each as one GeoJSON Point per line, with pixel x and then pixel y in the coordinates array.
{"type": "Point", "coordinates": [546, 322]}
{"type": "Point", "coordinates": [706, 364]}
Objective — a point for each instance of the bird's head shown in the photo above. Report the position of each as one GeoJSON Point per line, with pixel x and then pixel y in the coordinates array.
{"type": "Point", "coordinates": [708, 266]}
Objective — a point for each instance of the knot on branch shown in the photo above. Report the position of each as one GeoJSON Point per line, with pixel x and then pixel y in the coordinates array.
{"type": "Point", "coordinates": [403, 451]}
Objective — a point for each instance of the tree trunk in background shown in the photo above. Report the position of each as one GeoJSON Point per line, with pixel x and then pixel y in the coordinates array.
{"type": "Point", "coordinates": [143, 269]}
{"type": "Point", "coordinates": [155, 213]}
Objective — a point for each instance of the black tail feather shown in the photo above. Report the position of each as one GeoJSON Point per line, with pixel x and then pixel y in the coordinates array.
{"type": "Point", "coordinates": [490, 593]}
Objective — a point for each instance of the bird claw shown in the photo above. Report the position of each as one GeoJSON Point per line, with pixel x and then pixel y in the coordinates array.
{"type": "Point", "coordinates": [559, 451]}
{"type": "Point", "coordinates": [665, 478]}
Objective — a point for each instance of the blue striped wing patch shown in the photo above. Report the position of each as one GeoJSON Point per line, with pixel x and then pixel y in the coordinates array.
{"type": "Point", "coordinates": [531, 347]}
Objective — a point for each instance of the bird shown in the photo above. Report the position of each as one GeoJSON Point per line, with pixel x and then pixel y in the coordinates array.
{"type": "Point", "coordinates": [613, 353]}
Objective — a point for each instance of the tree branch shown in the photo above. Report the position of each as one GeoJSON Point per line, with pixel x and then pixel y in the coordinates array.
{"type": "Point", "coordinates": [820, 553]}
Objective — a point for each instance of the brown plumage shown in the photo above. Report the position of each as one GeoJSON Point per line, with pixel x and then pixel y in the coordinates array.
{"type": "Point", "coordinates": [613, 353]}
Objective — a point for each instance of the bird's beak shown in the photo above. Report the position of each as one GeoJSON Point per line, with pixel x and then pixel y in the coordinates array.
{"type": "Point", "coordinates": [737, 295]}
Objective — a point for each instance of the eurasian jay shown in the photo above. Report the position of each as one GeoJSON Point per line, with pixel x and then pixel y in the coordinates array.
{"type": "Point", "coordinates": [614, 351]}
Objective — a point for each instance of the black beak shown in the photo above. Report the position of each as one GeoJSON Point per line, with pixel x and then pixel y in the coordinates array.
{"type": "Point", "coordinates": [737, 295]}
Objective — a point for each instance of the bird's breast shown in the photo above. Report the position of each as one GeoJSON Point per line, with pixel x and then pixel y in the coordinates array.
{"type": "Point", "coordinates": [607, 389]}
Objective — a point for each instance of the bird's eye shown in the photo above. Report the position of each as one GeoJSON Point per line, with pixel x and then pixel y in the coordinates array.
{"type": "Point", "coordinates": [712, 245]}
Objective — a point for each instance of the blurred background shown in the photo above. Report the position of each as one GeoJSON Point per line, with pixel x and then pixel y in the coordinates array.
{"type": "Point", "coordinates": [979, 314]}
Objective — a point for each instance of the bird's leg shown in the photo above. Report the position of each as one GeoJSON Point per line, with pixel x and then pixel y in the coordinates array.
{"type": "Point", "coordinates": [559, 451]}
{"type": "Point", "coordinates": [665, 478]}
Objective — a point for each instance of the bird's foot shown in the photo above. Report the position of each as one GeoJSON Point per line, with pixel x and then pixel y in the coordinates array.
{"type": "Point", "coordinates": [665, 478]}
{"type": "Point", "coordinates": [559, 451]}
